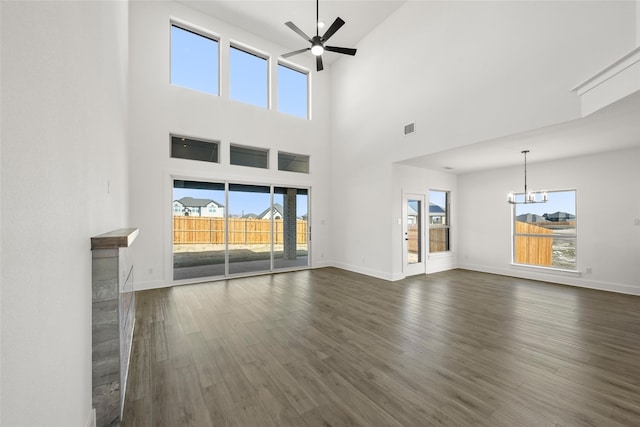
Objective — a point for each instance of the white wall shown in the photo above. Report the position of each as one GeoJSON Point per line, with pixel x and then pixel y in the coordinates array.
{"type": "Point", "coordinates": [158, 109]}
{"type": "Point", "coordinates": [64, 108]}
{"type": "Point", "coordinates": [408, 179]}
{"type": "Point", "coordinates": [464, 72]}
{"type": "Point", "coordinates": [637, 22]}
{"type": "Point", "coordinates": [608, 242]}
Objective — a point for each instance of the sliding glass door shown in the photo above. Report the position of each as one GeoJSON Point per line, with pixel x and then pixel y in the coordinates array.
{"type": "Point", "coordinates": [249, 222]}
{"type": "Point", "coordinates": [199, 229]}
{"type": "Point", "coordinates": [222, 229]}
{"type": "Point", "coordinates": [291, 227]}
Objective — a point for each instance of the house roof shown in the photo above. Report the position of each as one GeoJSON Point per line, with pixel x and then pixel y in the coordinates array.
{"type": "Point", "coordinates": [277, 207]}
{"type": "Point", "coordinates": [557, 215]}
{"type": "Point", "coordinates": [435, 209]}
{"type": "Point", "coordinates": [197, 203]}
{"type": "Point", "coordinates": [529, 217]}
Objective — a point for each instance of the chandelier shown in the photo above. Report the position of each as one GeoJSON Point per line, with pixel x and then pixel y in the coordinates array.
{"type": "Point", "coordinates": [529, 196]}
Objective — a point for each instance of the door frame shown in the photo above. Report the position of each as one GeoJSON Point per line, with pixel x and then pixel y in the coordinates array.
{"type": "Point", "coordinates": [411, 269]}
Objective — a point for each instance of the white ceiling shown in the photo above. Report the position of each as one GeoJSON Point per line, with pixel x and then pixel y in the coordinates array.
{"type": "Point", "coordinates": [266, 18]}
{"type": "Point", "coordinates": [612, 128]}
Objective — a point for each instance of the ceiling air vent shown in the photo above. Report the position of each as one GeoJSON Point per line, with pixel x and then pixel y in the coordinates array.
{"type": "Point", "coordinates": [410, 128]}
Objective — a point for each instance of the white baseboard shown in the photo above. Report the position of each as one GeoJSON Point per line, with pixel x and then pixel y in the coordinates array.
{"type": "Point", "coordinates": [155, 284]}
{"type": "Point", "coordinates": [91, 420]}
{"type": "Point", "coordinates": [322, 264]}
{"type": "Point", "coordinates": [366, 271]}
{"type": "Point", "coordinates": [556, 278]}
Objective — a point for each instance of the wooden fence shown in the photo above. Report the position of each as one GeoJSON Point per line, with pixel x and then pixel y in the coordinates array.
{"type": "Point", "coordinates": [438, 239]}
{"type": "Point", "coordinates": [531, 249]}
{"type": "Point", "coordinates": [242, 231]}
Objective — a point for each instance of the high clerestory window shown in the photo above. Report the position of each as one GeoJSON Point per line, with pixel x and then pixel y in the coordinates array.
{"type": "Point", "coordinates": [293, 90]}
{"type": "Point", "coordinates": [248, 77]}
{"type": "Point", "coordinates": [194, 60]}
{"type": "Point", "coordinates": [545, 234]}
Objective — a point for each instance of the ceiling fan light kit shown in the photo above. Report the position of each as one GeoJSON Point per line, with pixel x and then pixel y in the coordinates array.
{"type": "Point", "coordinates": [318, 47]}
{"type": "Point", "coordinates": [529, 196]}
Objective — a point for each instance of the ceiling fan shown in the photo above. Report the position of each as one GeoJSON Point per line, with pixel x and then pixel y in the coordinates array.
{"type": "Point", "coordinates": [318, 42]}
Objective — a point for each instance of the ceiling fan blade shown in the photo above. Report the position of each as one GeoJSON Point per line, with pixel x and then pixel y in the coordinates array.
{"type": "Point", "coordinates": [295, 28]}
{"type": "Point", "coordinates": [295, 52]}
{"type": "Point", "coordinates": [344, 50]}
{"type": "Point", "coordinates": [333, 28]}
{"type": "Point", "coordinates": [319, 66]}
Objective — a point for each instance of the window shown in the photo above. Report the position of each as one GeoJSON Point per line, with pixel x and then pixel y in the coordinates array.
{"type": "Point", "coordinates": [247, 156]}
{"type": "Point", "coordinates": [544, 234]}
{"type": "Point", "coordinates": [194, 149]}
{"type": "Point", "coordinates": [293, 91]}
{"type": "Point", "coordinates": [293, 162]}
{"type": "Point", "coordinates": [248, 77]}
{"type": "Point", "coordinates": [439, 227]}
{"type": "Point", "coordinates": [194, 60]}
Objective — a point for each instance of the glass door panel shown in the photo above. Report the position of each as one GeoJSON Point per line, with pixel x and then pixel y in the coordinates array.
{"type": "Point", "coordinates": [413, 234]}
{"type": "Point", "coordinates": [291, 227]}
{"type": "Point", "coordinates": [249, 232]}
{"type": "Point", "coordinates": [198, 229]}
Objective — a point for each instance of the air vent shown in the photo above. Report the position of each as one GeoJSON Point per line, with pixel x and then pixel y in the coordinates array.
{"type": "Point", "coordinates": [410, 128]}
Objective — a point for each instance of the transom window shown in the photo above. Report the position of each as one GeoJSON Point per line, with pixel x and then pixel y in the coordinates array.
{"type": "Point", "coordinates": [194, 149]}
{"type": "Point", "coordinates": [249, 156]}
{"type": "Point", "coordinates": [194, 60]}
{"type": "Point", "coordinates": [248, 77]}
{"type": "Point", "coordinates": [544, 234]}
{"type": "Point", "coordinates": [293, 162]}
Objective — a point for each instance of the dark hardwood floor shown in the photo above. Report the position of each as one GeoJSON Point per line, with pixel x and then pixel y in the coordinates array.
{"type": "Point", "coordinates": [328, 347]}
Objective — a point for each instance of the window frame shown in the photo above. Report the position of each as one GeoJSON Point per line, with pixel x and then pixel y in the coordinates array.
{"type": "Point", "coordinates": [285, 153]}
{"type": "Point", "coordinates": [249, 50]}
{"type": "Point", "coordinates": [299, 69]}
{"type": "Point", "coordinates": [574, 236]}
{"type": "Point", "coordinates": [439, 225]}
{"type": "Point", "coordinates": [199, 31]}
{"type": "Point", "coordinates": [267, 151]}
{"type": "Point", "coordinates": [216, 143]}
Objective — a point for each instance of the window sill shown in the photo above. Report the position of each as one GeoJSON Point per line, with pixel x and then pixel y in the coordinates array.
{"type": "Point", "coordinates": [436, 255]}
{"type": "Point", "coordinates": [547, 270]}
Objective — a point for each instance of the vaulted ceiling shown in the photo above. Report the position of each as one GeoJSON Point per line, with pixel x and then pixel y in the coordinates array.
{"type": "Point", "coordinates": [611, 128]}
{"type": "Point", "coordinates": [266, 18]}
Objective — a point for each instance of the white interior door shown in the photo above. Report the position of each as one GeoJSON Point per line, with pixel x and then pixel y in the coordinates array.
{"type": "Point", "coordinates": [413, 234]}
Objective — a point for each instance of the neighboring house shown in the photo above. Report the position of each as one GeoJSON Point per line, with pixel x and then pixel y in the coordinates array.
{"type": "Point", "coordinates": [530, 218]}
{"type": "Point", "coordinates": [559, 216]}
{"type": "Point", "coordinates": [437, 215]}
{"type": "Point", "coordinates": [276, 212]}
{"type": "Point", "coordinates": [189, 206]}
{"type": "Point", "coordinates": [412, 214]}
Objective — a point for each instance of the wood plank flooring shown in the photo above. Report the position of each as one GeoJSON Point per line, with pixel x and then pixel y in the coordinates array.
{"type": "Point", "coordinates": [328, 347]}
